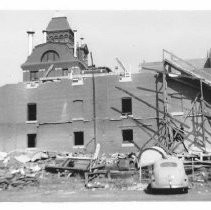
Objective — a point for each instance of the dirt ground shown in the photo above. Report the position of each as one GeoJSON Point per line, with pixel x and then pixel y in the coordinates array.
{"type": "Point", "coordinates": [56, 189]}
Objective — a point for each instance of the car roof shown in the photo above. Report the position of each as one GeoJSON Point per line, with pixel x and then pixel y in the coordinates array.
{"type": "Point", "coordinates": [170, 159]}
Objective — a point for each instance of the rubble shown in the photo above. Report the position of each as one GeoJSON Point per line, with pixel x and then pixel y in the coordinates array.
{"type": "Point", "coordinates": [96, 185]}
{"type": "Point", "coordinates": [119, 161]}
{"type": "Point", "coordinates": [39, 156]}
{"type": "Point", "coordinates": [30, 167]}
{"type": "Point", "coordinates": [22, 158]}
{"type": "Point", "coordinates": [21, 168]}
{"type": "Point", "coordinates": [2, 155]}
{"type": "Point", "coordinates": [18, 180]}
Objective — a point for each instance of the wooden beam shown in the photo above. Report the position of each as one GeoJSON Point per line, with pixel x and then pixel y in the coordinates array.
{"type": "Point", "coordinates": [202, 111]}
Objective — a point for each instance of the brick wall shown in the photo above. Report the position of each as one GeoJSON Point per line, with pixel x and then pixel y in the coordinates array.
{"type": "Point", "coordinates": [56, 119]}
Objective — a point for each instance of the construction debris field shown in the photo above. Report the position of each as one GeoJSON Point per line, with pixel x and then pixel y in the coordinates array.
{"type": "Point", "coordinates": [36, 176]}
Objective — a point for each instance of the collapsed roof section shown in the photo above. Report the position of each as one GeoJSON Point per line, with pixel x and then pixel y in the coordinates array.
{"type": "Point", "coordinates": [194, 68]}
{"type": "Point", "coordinates": [180, 70]}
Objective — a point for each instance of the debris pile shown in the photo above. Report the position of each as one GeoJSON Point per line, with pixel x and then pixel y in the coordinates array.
{"type": "Point", "coordinates": [18, 180]}
{"type": "Point", "coordinates": [22, 168]}
{"type": "Point", "coordinates": [119, 161]}
{"type": "Point", "coordinates": [28, 167]}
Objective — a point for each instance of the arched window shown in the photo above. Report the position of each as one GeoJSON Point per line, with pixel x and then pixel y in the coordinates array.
{"type": "Point", "coordinates": [61, 38]}
{"type": "Point", "coordinates": [66, 37]}
{"type": "Point", "coordinates": [50, 56]}
{"type": "Point", "coordinates": [56, 39]}
{"type": "Point", "coordinates": [51, 38]}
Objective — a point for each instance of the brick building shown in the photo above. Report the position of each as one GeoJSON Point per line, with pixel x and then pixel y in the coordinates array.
{"type": "Point", "coordinates": [59, 102]}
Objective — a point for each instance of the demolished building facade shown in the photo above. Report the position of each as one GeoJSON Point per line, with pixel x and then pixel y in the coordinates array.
{"type": "Point", "coordinates": [59, 107]}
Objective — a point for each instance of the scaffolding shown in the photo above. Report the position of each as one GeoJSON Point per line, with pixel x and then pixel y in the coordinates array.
{"type": "Point", "coordinates": [168, 131]}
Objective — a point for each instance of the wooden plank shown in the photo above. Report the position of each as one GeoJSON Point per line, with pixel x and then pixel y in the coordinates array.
{"type": "Point", "coordinates": [197, 162]}
{"type": "Point", "coordinates": [115, 172]}
{"type": "Point", "coordinates": [202, 111]}
{"type": "Point", "coordinates": [59, 168]}
{"type": "Point", "coordinates": [49, 70]}
{"type": "Point", "coordinates": [178, 58]}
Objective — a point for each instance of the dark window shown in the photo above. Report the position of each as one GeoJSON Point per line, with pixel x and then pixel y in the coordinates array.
{"type": "Point", "coordinates": [32, 138]}
{"type": "Point", "coordinates": [50, 56]}
{"type": "Point", "coordinates": [79, 138]}
{"type": "Point", "coordinates": [56, 39]}
{"type": "Point", "coordinates": [33, 75]}
{"type": "Point", "coordinates": [61, 38]}
{"type": "Point", "coordinates": [66, 39]}
{"type": "Point", "coordinates": [126, 106]}
{"type": "Point", "coordinates": [64, 72]}
{"type": "Point", "coordinates": [32, 112]}
{"type": "Point", "coordinates": [51, 38]}
{"type": "Point", "coordinates": [127, 135]}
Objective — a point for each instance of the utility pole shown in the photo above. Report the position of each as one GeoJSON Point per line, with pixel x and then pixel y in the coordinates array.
{"type": "Point", "coordinates": [165, 98]}
{"type": "Point", "coordinates": [94, 102]}
{"type": "Point", "coordinates": [202, 112]}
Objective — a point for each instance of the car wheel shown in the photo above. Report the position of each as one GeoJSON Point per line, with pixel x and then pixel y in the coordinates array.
{"type": "Point", "coordinates": [185, 190]}
{"type": "Point", "coordinates": [149, 187]}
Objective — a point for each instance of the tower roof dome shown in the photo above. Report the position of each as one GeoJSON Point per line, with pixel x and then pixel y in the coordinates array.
{"type": "Point", "coordinates": [58, 23]}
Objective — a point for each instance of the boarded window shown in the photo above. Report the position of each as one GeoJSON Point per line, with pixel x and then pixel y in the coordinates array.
{"type": "Point", "coordinates": [127, 135]}
{"type": "Point", "coordinates": [32, 138]}
{"type": "Point", "coordinates": [64, 72]}
{"type": "Point", "coordinates": [34, 75]}
{"type": "Point", "coordinates": [79, 138]}
{"type": "Point", "coordinates": [32, 112]}
{"type": "Point", "coordinates": [126, 106]}
{"type": "Point", "coordinates": [77, 109]}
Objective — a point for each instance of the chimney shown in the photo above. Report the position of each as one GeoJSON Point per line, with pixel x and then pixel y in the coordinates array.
{"type": "Point", "coordinates": [30, 41]}
{"type": "Point", "coordinates": [44, 36]}
{"type": "Point", "coordinates": [75, 47]}
{"type": "Point", "coordinates": [82, 41]}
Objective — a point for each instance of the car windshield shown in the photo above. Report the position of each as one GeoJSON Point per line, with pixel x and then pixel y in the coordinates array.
{"type": "Point", "coordinates": [168, 164]}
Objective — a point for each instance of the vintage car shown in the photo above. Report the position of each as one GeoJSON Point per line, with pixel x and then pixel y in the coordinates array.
{"type": "Point", "coordinates": [169, 174]}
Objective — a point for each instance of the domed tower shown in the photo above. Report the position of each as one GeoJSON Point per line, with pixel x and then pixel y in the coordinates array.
{"type": "Point", "coordinates": [58, 56]}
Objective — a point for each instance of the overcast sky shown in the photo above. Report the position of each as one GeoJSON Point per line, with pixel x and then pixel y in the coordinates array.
{"type": "Point", "coordinates": [132, 36]}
